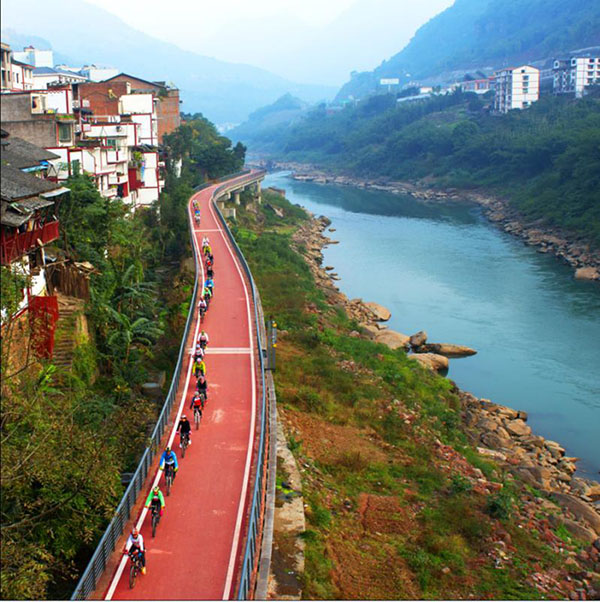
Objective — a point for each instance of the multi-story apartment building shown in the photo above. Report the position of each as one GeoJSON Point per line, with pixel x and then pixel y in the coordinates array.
{"type": "Point", "coordinates": [166, 100]}
{"type": "Point", "coordinates": [574, 75]}
{"type": "Point", "coordinates": [516, 88]}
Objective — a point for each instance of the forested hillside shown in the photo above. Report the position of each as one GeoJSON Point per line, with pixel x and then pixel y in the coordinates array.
{"type": "Point", "coordinates": [488, 33]}
{"type": "Point", "coordinates": [546, 159]}
{"type": "Point", "coordinates": [263, 127]}
{"type": "Point", "coordinates": [69, 434]}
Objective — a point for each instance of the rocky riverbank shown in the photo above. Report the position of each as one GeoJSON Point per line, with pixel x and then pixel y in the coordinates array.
{"type": "Point", "coordinates": [498, 432]}
{"type": "Point", "coordinates": [576, 252]}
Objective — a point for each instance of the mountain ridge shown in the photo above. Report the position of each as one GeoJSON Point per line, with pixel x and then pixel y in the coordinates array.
{"type": "Point", "coordinates": [225, 92]}
{"type": "Point", "coordinates": [474, 34]}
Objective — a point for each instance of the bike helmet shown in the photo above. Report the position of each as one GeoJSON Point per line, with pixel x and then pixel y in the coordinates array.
{"type": "Point", "coordinates": [134, 533]}
{"type": "Point", "coordinates": [168, 449]}
{"type": "Point", "coordinates": [183, 417]}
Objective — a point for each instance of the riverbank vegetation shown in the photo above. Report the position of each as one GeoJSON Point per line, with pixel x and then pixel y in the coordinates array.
{"type": "Point", "coordinates": [69, 432]}
{"type": "Point", "coordinates": [398, 502]}
{"type": "Point", "coordinates": [545, 159]}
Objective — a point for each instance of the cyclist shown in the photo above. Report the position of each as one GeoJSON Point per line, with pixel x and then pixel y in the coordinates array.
{"type": "Point", "coordinates": [156, 498]}
{"type": "Point", "coordinates": [202, 386]}
{"type": "Point", "coordinates": [209, 271]}
{"type": "Point", "coordinates": [207, 250]}
{"type": "Point", "coordinates": [184, 429]}
{"type": "Point", "coordinates": [135, 546]}
{"type": "Point", "coordinates": [209, 284]}
{"type": "Point", "coordinates": [202, 306]}
{"type": "Point", "coordinates": [205, 242]}
{"type": "Point", "coordinates": [198, 368]}
{"type": "Point", "coordinates": [207, 295]}
{"type": "Point", "coordinates": [197, 402]}
{"type": "Point", "coordinates": [169, 458]}
{"type": "Point", "coordinates": [198, 352]}
{"type": "Point", "coordinates": [203, 339]}
{"type": "Point", "coordinates": [197, 216]}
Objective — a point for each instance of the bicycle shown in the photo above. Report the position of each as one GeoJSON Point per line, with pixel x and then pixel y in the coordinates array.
{"type": "Point", "coordinates": [135, 568]}
{"type": "Point", "coordinates": [169, 476]}
{"type": "Point", "coordinates": [155, 518]}
{"type": "Point", "coordinates": [197, 415]}
{"type": "Point", "coordinates": [185, 441]}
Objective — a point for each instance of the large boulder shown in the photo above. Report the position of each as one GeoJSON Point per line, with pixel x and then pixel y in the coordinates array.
{"type": "Point", "coordinates": [393, 339]}
{"type": "Point", "coordinates": [536, 476]}
{"type": "Point", "coordinates": [517, 428]}
{"type": "Point", "coordinates": [447, 349]}
{"type": "Point", "coordinates": [579, 531]}
{"type": "Point", "coordinates": [580, 509]}
{"type": "Point", "coordinates": [431, 360]}
{"type": "Point", "coordinates": [496, 440]}
{"type": "Point", "coordinates": [587, 273]}
{"type": "Point", "coordinates": [379, 312]}
{"type": "Point", "coordinates": [418, 339]}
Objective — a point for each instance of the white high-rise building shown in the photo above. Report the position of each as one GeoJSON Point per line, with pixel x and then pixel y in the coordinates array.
{"type": "Point", "coordinates": [574, 75]}
{"type": "Point", "coordinates": [516, 88]}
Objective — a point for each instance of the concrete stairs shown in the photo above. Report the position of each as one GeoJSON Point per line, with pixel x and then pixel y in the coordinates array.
{"type": "Point", "coordinates": [69, 308]}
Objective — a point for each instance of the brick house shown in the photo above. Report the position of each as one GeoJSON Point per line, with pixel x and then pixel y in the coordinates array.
{"type": "Point", "coordinates": [167, 106]}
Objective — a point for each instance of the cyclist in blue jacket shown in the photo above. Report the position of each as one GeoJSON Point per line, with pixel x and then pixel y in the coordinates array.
{"type": "Point", "coordinates": [169, 457]}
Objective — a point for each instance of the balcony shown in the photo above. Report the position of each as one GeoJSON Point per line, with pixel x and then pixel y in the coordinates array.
{"type": "Point", "coordinates": [109, 193]}
{"type": "Point", "coordinates": [20, 243]}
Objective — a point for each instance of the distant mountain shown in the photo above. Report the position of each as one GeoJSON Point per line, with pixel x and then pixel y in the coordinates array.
{"type": "Point", "coordinates": [265, 127]}
{"type": "Point", "coordinates": [357, 39]}
{"type": "Point", "coordinates": [488, 33]}
{"type": "Point", "coordinates": [224, 92]}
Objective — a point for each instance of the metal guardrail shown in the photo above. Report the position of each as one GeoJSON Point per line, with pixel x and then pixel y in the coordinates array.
{"type": "Point", "coordinates": [97, 564]}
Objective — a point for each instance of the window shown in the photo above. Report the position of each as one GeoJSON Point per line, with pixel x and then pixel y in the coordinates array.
{"type": "Point", "coordinates": [111, 142]}
{"type": "Point", "coordinates": [64, 132]}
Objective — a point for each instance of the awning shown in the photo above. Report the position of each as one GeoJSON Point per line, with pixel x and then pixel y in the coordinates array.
{"type": "Point", "coordinates": [53, 193]}
{"type": "Point", "coordinates": [32, 204]}
{"type": "Point", "coordinates": [14, 220]}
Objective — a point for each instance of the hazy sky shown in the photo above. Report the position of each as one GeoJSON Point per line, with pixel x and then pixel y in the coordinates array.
{"type": "Point", "coordinates": [310, 41]}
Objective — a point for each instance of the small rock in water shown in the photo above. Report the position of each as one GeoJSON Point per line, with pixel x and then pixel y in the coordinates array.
{"type": "Point", "coordinates": [587, 273]}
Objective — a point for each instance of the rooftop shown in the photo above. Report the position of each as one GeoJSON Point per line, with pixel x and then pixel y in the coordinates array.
{"type": "Point", "coordinates": [17, 185]}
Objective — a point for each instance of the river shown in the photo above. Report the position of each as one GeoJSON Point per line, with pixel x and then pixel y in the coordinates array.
{"type": "Point", "coordinates": [445, 269]}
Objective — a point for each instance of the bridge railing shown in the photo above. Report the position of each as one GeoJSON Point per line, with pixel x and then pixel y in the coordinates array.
{"type": "Point", "coordinates": [257, 507]}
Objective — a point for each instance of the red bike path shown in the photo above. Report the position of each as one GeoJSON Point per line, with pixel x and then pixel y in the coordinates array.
{"type": "Point", "coordinates": [198, 545]}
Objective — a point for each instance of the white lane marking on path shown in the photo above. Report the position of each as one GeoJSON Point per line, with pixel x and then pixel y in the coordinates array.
{"type": "Point", "coordinates": [224, 351]}
{"type": "Point", "coordinates": [238, 524]}
{"type": "Point", "coordinates": [121, 567]}
{"type": "Point", "coordinates": [208, 230]}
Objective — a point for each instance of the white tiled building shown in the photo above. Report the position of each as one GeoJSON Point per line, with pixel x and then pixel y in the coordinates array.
{"type": "Point", "coordinates": [516, 88]}
{"type": "Point", "coordinates": [574, 75]}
